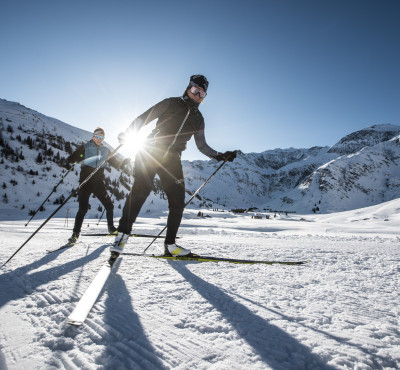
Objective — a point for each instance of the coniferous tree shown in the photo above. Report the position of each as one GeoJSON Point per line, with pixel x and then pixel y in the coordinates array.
{"type": "Point", "coordinates": [68, 147]}
{"type": "Point", "coordinates": [39, 158]}
{"type": "Point", "coordinates": [29, 141]}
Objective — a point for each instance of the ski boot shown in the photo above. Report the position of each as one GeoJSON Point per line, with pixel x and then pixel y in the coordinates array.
{"type": "Point", "coordinates": [112, 230]}
{"type": "Point", "coordinates": [73, 239]}
{"type": "Point", "coordinates": [117, 247]}
{"type": "Point", "coordinates": [175, 250]}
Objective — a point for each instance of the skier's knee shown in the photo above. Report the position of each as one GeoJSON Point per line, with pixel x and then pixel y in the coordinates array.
{"type": "Point", "coordinates": [176, 210]}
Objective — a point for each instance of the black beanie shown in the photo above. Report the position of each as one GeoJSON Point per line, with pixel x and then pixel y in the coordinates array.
{"type": "Point", "coordinates": [198, 80]}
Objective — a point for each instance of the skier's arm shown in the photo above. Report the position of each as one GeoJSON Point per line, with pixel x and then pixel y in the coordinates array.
{"type": "Point", "coordinates": [202, 145]}
{"type": "Point", "coordinates": [145, 118]}
{"type": "Point", "coordinates": [77, 156]}
{"type": "Point", "coordinates": [211, 153]}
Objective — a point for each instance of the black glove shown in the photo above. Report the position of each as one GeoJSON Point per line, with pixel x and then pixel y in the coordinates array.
{"type": "Point", "coordinates": [227, 156]}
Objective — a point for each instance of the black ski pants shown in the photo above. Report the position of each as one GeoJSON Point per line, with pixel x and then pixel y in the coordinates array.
{"type": "Point", "coordinates": [169, 169]}
{"type": "Point", "coordinates": [97, 188]}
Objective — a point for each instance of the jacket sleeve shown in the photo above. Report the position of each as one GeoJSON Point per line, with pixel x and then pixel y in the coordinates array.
{"type": "Point", "coordinates": [77, 156]}
{"type": "Point", "coordinates": [202, 145]}
{"type": "Point", "coordinates": [151, 114]}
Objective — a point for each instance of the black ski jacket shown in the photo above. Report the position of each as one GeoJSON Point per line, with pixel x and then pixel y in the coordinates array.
{"type": "Point", "coordinates": [178, 119]}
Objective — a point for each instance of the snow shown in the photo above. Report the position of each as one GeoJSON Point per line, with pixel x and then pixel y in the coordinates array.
{"type": "Point", "coordinates": [340, 311]}
{"type": "Point", "coordinates": [362, 169]}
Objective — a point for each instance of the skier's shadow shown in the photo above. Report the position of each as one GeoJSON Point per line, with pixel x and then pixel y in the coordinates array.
{"type": "Point", "coordinates": [268, 341]}
{"type": "Point", "coordinates": [120, 315]}
{"type": "Point", "coordinates": [17, 283]}
{"type": "Point", "coordinates": [371, 353]}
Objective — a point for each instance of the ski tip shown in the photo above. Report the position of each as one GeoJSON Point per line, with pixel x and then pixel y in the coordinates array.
{"type": "Point", "coordinates": [74, 322]}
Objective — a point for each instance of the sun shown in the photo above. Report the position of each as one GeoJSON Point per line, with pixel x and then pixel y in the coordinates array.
{"type": "Point", "coordinates": [135, 141]}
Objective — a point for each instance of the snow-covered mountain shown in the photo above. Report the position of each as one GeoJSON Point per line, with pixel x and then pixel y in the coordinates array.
{"type": "Point", "coordinates": [318, 179]}
{"type": "Point", "coordinates": [359, 171]}
{"type": "Point", "coordinates": [367, 137]}
{"type": "Point", "coordinates": [34, 149]}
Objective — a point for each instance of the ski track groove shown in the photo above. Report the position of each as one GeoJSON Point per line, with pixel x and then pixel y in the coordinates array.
{"type": "Point", "coordinates": [69, 362]}
{"type": "Point", "coordinates": [139, 357]}
{"type": "Point", "coordinates": [103, 340]}
{"type": "Point", "coordinates": [135, 355]}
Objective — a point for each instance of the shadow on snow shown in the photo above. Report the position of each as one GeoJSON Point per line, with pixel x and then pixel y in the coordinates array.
{"type": "Point", "coordinates": [274, 346]}
{"type": "Point", "coordinates": [127, 346]}
{"type": "Point", "coordinates": [19, 283]}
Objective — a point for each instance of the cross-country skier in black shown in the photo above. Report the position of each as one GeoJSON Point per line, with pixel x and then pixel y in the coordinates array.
{"type": "Point", "coordinates": [178, 119]}
{"type": "Point", "coordinates": [91, 154]}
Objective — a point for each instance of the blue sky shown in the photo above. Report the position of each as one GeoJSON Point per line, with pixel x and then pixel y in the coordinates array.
{"type": "Point", "coordinates": [283, 73]}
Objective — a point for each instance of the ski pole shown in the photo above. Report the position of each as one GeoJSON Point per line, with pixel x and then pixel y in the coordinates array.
{"type": "Point", "coordinates": [73, 192]}
{"type": "Point", "coordinates": [191, 198]}
{"type": "Point", "coordinates": [115, 187]}
{"type": "Point", "coordinates": [54, 189]}
{"type": "Point", "coordinates": [119, 179]}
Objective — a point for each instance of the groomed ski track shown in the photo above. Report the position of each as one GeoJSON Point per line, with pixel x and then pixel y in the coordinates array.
{"type": "Point", "coordinates": [339, 311]}
{"type": "Point", "coordinates": [197, 258]}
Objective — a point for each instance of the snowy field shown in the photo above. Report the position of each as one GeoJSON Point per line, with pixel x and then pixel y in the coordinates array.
{"type": "Point", "coordinates": [340, 311]}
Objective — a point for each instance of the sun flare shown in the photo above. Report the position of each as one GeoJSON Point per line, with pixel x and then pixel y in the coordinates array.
{"type": "Point", "coordinates": [135, 141]}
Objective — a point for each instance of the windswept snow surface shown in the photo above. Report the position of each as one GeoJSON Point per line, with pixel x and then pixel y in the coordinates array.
{"type": "Point", "coordinates": [340, 311]}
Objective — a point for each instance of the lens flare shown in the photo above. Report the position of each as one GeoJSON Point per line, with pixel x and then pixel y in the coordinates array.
{"type": "Point", "coordinates": [135, 141]}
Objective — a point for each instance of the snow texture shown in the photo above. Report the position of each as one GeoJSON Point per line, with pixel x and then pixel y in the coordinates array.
{"type": "Point", "coordinates": [340, 311]}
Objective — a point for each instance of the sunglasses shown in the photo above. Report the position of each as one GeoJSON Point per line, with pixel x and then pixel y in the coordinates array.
{"type": "Point", "coordinates": [195, 90]}
{"type": "Point", "coordinates": [99, 137]}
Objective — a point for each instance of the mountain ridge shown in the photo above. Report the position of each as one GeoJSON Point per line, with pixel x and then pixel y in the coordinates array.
{"type": "Point", "coordinates": [360, 170]}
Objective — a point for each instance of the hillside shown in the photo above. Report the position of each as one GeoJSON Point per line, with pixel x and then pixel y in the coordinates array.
{"type": "Point", "coordinates": [358, 171]}
{"type": "Point", "coordinates": [34, 149]}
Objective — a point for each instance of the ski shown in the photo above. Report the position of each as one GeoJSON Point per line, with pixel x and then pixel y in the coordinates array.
{"type": "Point", "coordinates": [89, 298]}
{"type": "Point", "coordinates": [198, 258]}
{"type": "Point", "coordinates": [68, 245]}
{"type": "Point", "coordinates": [132, 235]}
